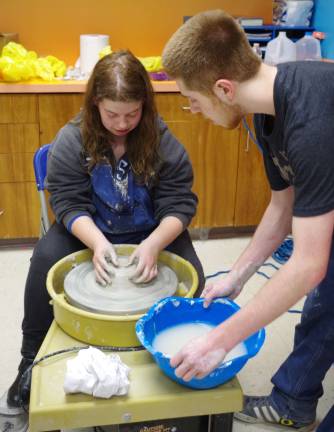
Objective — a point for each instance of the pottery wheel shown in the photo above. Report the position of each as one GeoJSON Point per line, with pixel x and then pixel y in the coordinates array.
{"type": "Point", "coordinates": [120, 297]}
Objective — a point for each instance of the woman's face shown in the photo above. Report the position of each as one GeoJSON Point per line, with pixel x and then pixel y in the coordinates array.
{"type": "Point", "coordinates": [120, 118]}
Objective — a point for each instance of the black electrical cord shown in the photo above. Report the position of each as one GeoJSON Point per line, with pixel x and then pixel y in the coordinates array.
{"type": "Point", "coordinates": [26, 376]}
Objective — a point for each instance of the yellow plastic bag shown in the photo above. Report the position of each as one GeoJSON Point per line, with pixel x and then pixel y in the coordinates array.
{"type": "Point", "coordinates": [105, 51]}
{"type": "Point", "coordinates": [58, 66]}
{"type": "Point", "coordinates": [151, 64]}
{"type": "Point", "coordinates": [15, 71]}
{"type": "Point", "coordinates": [14, 51]}
{"type": "Point", "coordinates": [18, 64]}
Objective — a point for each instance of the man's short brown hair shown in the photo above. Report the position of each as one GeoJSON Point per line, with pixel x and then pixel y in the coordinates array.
{"type": "Point", "coordinates": [209, 46]}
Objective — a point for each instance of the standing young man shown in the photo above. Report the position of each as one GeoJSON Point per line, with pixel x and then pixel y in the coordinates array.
{"type": "Point", "coordinates": [215, 67]}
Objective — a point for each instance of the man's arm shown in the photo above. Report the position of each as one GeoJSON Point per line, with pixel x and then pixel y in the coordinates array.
{"type": "Point", "coordinates": [273, 228]}
{"type": "Point", "coordinates": [305, 269]}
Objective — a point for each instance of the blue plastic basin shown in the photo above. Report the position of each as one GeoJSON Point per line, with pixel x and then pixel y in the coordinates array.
{"type": "Point", "coordinates": [172, 311]}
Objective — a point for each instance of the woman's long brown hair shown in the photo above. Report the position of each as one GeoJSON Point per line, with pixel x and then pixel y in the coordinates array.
{"type": "Point", "coordinates": [121, 77]}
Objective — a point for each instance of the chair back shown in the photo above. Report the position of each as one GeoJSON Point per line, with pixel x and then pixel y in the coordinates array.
{"type": "Point", "coordinates": [40, 161]}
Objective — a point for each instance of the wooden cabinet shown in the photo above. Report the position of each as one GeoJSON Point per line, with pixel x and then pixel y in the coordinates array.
{"type": "Point", "coordinates": [19, 210]}
{"type": "Point", "coordinates": [252, 188]}
{"type": "Point", "coordinates": [55, 110]}
{"type": "Point", "coordinates": [214, 154]}
{"type": "Point", "coordinates": [19, 139]}
{"type": "Point", "coordinates": [229, 178]}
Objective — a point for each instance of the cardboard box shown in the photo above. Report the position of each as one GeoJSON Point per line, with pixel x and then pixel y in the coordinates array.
{"type": "Point", "coordinates": [7, 37]}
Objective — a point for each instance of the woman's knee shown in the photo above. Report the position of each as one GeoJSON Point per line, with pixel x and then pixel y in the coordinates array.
{"type": "Point", "coordinates": [55, 245]}
{"type": "Point", "coordinates": [44, 254]}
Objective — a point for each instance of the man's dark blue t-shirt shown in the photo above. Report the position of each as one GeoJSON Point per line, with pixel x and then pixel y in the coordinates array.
{"type": "Point", "coordinates": [298, 143]}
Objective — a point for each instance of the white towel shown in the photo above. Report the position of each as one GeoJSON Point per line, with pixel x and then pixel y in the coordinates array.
{"type": "Point", "coordinates": [95, 373]}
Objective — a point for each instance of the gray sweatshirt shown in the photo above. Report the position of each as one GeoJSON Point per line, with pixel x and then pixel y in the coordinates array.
{"type": "Point", "coordinates": [70, 184]}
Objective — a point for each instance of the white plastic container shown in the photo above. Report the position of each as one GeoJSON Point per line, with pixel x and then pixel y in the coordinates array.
{"type": "Point", "coordinates": [90, 46]}
{"type": "Point", "coordinates": [308, 48]}
{"type": "Point", "coordinates": [280, 50]}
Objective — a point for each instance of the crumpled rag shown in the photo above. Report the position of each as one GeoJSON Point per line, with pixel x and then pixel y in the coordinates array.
{"type": "Point", "coordinates": [95, 373]}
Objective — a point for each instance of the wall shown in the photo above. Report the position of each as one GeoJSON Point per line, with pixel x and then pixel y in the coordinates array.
{"type": "Point", "coordinates": [143, 26]}
{"type": "Point", "coordinates": [323, 20]}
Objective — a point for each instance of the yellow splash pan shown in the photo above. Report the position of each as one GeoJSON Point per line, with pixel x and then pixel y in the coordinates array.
{"type": "Point", "coordinates": [102, 329]}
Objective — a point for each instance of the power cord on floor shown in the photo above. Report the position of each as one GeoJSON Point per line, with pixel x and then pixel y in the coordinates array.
{"type": "Point", "coordinates": [281, 255]}
{"type": "Point", "coordinates": [218, 273]}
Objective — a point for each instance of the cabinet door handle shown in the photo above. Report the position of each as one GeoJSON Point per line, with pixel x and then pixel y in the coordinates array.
{"type": "Point", "coordinates": [186, 108]}
{"type": "Point", "coordinates": [2, 212]}
{"type": "Point", "coordinates": [247, 143]}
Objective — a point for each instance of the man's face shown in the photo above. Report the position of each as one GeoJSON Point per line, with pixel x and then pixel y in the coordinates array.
{"type": "Point", "coordinates": [220, 113]}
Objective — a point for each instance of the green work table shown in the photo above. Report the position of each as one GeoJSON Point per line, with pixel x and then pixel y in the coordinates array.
{"type": "Point", "coordinates": [152, 395]}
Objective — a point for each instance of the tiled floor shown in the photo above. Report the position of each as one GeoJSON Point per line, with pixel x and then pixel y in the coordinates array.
{"type": "Point", "coordinates": [216, 255]}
